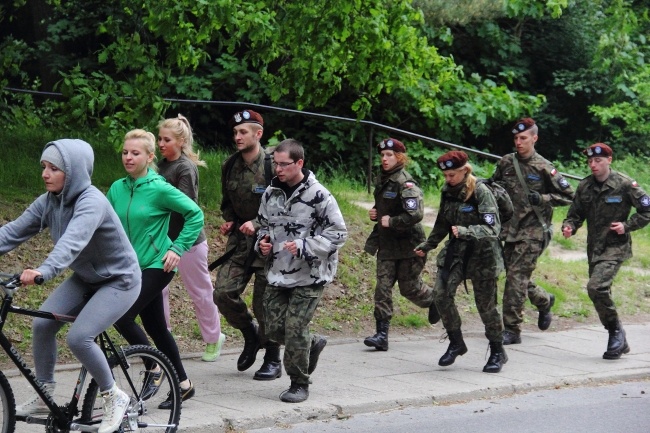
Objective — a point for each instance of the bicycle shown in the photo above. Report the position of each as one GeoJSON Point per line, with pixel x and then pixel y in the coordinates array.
{"type": "Point", "coordinates": [132, 370]}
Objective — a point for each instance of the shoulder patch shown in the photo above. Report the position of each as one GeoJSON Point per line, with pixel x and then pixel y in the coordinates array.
{"type": "Point", "coordinates": [489, 219]}
{"type": "Point", "coordinates": [564, 184]}
{"type": "Point", "coordinates": [409, 184]}
{"type": "Point", "coordinates": [553, 172]}
{"type": "Point", "coordinates": [644, 201]}
{"type": "Point", "coordinates": [410, 203]}
{"type": "Point", "coordinates": [635, 184]}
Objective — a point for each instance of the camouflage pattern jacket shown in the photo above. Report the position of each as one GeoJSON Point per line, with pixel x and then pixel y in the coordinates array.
{"type": "Point", "coordinates": [477, 248]}
{"type": "Point", "coordinates": [242, 188]}
{"type": "Point", "coordinates": [399, 197]}
{"type": "Point", "coordinates": [600, 205]}
{"type": "Point", "coordinates": [540, 176]}
{"type": "Point", "coordinates": [311, 217]}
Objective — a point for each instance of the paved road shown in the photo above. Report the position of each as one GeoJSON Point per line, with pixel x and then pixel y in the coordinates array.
{"type": "Point", "coordinates": [620, 407]}
{"type": "Point", "coordinates": [352, 379]}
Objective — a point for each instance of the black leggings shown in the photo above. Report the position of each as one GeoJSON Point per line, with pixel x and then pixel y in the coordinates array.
{"type": "Point", "coordinates": [149, 306]}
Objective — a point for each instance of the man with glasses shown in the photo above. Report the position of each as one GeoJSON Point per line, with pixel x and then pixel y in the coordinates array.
{"type": "Point", "coordinates": [243, 180]}
{"type": "Point", "coordinates": [301, 231]}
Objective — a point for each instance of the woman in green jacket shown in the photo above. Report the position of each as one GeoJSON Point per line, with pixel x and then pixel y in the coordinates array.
{"type": "Point", "coordinates": [143, 201]}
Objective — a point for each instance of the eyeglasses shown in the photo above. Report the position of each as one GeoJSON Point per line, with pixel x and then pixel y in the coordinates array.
{"type": "Point", "coordinates": [283, 164]}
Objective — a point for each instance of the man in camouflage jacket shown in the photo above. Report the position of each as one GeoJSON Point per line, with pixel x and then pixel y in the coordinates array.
{"type": "Point", "coordinates": [524, 235]}
{"type": "Point", "coordinates": [604, 199]}
{"type": "Point", "coordinates": [243, 180]}
{"type": "Point", "coordinates": [301, 231]}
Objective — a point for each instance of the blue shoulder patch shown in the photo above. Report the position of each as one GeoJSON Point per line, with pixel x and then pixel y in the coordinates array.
{"type": "Point", "coordinates": [644, 201]}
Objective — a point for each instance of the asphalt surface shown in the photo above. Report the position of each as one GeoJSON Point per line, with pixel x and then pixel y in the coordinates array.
{"type": "Point", "coordinates": [353, 379]}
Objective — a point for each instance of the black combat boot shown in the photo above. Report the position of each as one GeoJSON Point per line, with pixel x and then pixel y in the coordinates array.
{"type": "Point", "coordinates": [497, 358]}
{"type": "Point", "coordinates": [251, 346]}
{"type": "Point", "coordinates": [617, 343]}
{"type": "Point", "coordinates": [380, 340]}
{"type": "Point", "coordinates": [271, 367]}
{"type": "Point", "coordinates": [510, 337]}
{"type": "Point", "coordinates": [545, 317]}
{"type": "Point", "coordinates": [316, 348]}
{"type": "Point", "coordinates": [296, 393]}
{"type": "Point", "coordinates": [434, 315]}
{"type": "Point", "coordinates": [456, 347]}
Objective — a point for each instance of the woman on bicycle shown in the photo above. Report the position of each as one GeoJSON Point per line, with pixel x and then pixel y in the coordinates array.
{"type": "Point", "coordinates": [179, 167]}
{"type": "Point", "coordinates": [89, 239]}
{"type": "Point", "coordinates": [144, 202]}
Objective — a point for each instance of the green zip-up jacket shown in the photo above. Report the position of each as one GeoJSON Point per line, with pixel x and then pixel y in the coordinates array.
{"type": "Point", "coordinates": [144, 206]}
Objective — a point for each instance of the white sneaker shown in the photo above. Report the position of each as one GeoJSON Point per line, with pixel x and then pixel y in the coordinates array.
{"type": "Point", "coordinates": [116, 402]}
{"type": "Point", "coordinates": [35, 404]}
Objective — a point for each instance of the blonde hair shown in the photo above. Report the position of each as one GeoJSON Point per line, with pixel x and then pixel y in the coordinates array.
{"type": "Point", "coordinates": [180, 127]}
{"type": "Point", "coordinates": [148, 141]}
{"type": "Point", "coordinates": [470, 182]}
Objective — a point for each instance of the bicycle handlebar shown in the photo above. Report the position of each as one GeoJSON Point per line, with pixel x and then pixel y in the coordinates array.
{"type": "Point", "coordinates": [12, 283]}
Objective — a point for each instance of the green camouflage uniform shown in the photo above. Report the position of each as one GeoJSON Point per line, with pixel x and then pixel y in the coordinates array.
{"type": "Point", "coordinates": [523, 234]}
{"type": "Point", "coordinates": [600, 205]}
{"type": "Point", "coordinates": [397, 195]}
{"type": "Point", "coordinates": [310, 217]}
{"type": "Point", "coordinates": [475, 254]}
{"type": "Point", "coordinates": [242, 190]}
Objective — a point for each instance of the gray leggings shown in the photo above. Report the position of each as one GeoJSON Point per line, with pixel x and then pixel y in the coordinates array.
{"type": "Point", "coordinates": [94, 316]}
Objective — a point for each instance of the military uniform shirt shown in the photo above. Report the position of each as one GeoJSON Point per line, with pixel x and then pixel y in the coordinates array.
{"type": "Point", "coordinates": [601, 205]}
{"type": "Point", "coordinates": [399, 197]}
{"type": "Point", "coordinates": [541, 177]}
{"type": "Point", "coordinates": [479, 227]}
{"type": "Point", "coordinates": [242, 188]}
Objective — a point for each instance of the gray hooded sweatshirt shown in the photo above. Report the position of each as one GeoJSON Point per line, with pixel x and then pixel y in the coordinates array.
{"type": "Point", "coordinates": [87, 234]}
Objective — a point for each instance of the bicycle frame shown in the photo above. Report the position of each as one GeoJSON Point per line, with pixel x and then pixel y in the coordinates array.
{"type": "Point", "coordinates": [63, 419]}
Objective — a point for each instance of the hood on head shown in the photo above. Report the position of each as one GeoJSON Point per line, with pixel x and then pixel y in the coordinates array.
{"type": "Point", "coordinates": [78, 158]}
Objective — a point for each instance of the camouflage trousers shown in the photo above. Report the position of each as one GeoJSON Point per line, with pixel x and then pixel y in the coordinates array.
{"type": "Point", "coordinates": [407, 274]}
{"type": "Point", "coordinates": [485, 296]}
{"type": "Point", "coordinates": [599, 288]}
{"type": "Point", "coordinates": [289, 311]}
{"type": "Point", "coordinates": [521, 260]}
{"type": "Point", "coordinates": [229, 286]}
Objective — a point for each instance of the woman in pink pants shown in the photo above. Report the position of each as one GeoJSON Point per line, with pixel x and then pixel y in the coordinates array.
{"type": "Point", "coordinates": [179, 167]}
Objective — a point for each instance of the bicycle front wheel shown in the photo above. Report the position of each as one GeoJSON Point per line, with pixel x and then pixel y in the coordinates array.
{"type": "Point", "coordinates": [7, 406]}
{"type": "Point", "coordinates": [147, 391]}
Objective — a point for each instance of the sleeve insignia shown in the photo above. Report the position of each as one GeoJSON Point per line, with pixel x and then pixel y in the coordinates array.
{"type": "Point", "coordinates": [409, 184]}
{"type": "Point", "coordinates": [489, 218]}
{"type": "Point", "coordinates": [564, 184]}
{"type": "Point", "coordinates": [645, 201]}
{"type": "Point", "coordinates": [553, 172]}
{"type": "Point", "coordinates": [411, 203]}
{"type": "Point", "coordinates": [634, 184]}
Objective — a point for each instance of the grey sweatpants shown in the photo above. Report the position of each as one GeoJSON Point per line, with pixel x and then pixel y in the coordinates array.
{"type": "Point", "coordinates": [107, 304]}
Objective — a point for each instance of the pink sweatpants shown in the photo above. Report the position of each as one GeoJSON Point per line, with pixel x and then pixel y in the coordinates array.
{"type": "Point", "coordinates": [195, 275]}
